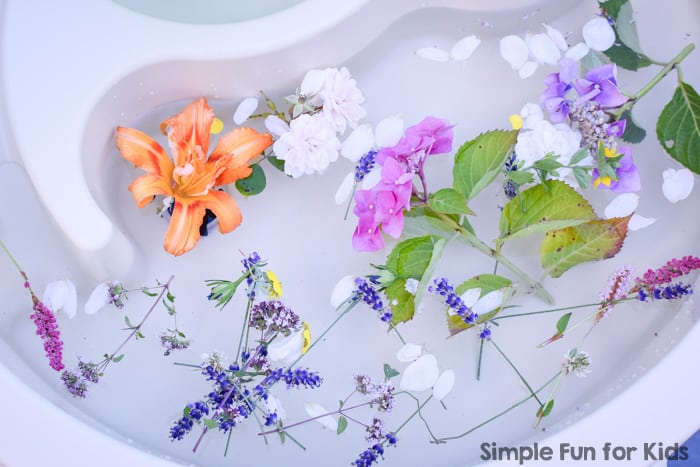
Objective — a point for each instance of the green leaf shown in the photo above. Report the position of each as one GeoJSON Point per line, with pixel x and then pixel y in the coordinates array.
{"type": "Point", "coordinates": [118, 358]}
{"type": "Point", "coordinates": [563, 323]}
{"type": "Point", "coordinates": [168, 306]}
{"type": "Point", "coordinates": [611, 7]}
{"type": "Point", "coordinates": [449, 201]}
{"type": "Point", "coordinates": [186, 411]}
{"type": "Point", "coordinates": [626, 27]}
{"type": "Point", "coordinates": [563, 249]}
{"type": "Point", "coordinates": [148, 292]}
{"type": "Point", "coordinates": [521, 177]}
{"type": "Point", "coordinates": [625, 52]}
{"type": "Point", "coordinates": [479, 161]}
{"type": "Point", "coordinates": [389, 372]}
{"type": "Point", "coordinates": [547, 164]}
{"type": "Point", "coordinates": [211, 424]}
{"type": "Point", "coordinates": [633, 132]}
{"type": "Point", "coordinates": [583, 176]}
{"type": "Point", "coordinates": [254, 183]}
{"type": "Point", "coordinates": [487, 283]}
{"type": "Point", "coordinates": [546, 410]}
{"type": "Point", "coordinates": [678, 128]}
{"type": "Point", "coordinates": [128, 322]}
{"type": "Point", "coordinates": [409, 259]}
{"type": "Point", "coordinates": [549, 205]}
{"type": "Point", "coordinates": [276, 163]}
{"type": "Point", "coordinates": [171, 297]}
{"type": "Point", "coordinates": [625, 57]}
{"type": "Point", "coordinates": [580, 155]}
{"type": "Point", "coordinates": [342, 424]}
{"type": "Point", "coordinates": [429, 270]}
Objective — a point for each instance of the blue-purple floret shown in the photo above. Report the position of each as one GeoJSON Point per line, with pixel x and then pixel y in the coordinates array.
{"type": "Point", "coordinates": [443, 288]}
{"type": "Point", "coordinates": [368, 294]}
{"type": "Point", "coordinates": [365, 165]}
{"type": "Point", "coordinates": [669, 292]}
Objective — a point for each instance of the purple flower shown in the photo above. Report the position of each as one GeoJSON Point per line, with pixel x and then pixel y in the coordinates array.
{"type": "Point", "coordinates": [47, 329]}
{"type": "Point", "coordinates": [558, 85]}
{"type": "Point", "coordinates": [431, 136]}
{"type": "Point", "coordinates": [600, 85]}
{"type": "Point", "coordinates": [617, 128]}
{"type": "Point", "coordinates": [628, 179]}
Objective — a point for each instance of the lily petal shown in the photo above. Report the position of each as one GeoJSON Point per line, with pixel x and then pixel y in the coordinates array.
{"type": "Point", "coordinates": [183, 232]}
{"type": "Point", "coordinates": [143, 151]}
{"type": "Point", "coordinates": [226, 209]}
{"type": "Point", "coordinates": [144, 188]}
{"type": "Point", "coordinates": [189, 129]}
{"type": "Point", "coordinates": [240, 145]}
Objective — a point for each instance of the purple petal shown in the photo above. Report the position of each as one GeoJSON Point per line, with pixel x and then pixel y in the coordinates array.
{"type": "Point", "coordinates": [602, 73]}
{"type": "Point", "coordinates": [609, 95]}
{"type": "Point", "coordinates": [568, 70]}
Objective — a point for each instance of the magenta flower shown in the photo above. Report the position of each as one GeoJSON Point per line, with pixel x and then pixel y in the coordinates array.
{"type": "Point", "coordinates": [431, 136]}
{"type": "Point", "coordinates": [628, 179]}
{"type": "Point", "coordinates": [600, 85]}
{"type": "Point", "coordinates": [47, 329]}
{"type": "Point", "coordinates": [673, 269]}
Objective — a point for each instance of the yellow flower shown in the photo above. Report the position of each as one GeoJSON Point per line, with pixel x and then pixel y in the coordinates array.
{"type": "Point", "coordinates": [307, 338]}
{"type": "Point", "coordinates": [516, 121]}
{"type": "Point", "coordinates": [274, 288]}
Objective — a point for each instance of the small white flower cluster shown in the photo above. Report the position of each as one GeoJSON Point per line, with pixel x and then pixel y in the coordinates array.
{"type": "Point", "coordinates": [326, 103]}
{"type": "Point", "coordinates": [526, 54]}
{"type": "Point", "coordinates": [578, 363]}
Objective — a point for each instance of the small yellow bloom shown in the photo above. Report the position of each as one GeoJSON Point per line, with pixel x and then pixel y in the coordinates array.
{"type": "Point", "coordinates": [274, 289]}
{"type": "Point", "coordinates": [604, 180]}
{"type": "Point", "coordinates": [516, 121]}
{"type": "Point", "coordinates": [217, 126]}
{"type": "Point", "coordinates": [611, 152]}
{"type": "Point", "coordinates": [307, 338]}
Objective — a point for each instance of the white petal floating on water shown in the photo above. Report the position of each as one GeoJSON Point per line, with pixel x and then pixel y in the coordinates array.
{"type": "Point", "coordinates": [435, 54]}
{"type": "Point", "coordinates": [577, 52]}
{"type": "Point", "coordinates": [471, 296]}
{"type": "Point", "coordinates": [409, 352]}
{"type": "Point", "coordinates": [372, 178]}
{"type": "Point", "coordinates": [360, 141]}
{"type": "Point", "coordinates": [276, 125]}
{"type": "Point", "coordinates": [344, 192]}
{"type": "Point", "coordinates": [527, 70]}
{"type": "Point", "coordinates": [623, 205]}
{"type": "Point", "coordinates": [389, 131]}
{"type": "Point", "coordinates": [514, 51]}
{"type": "Point", "coordinates": [678, 184]}
{"type": "Point", "coordinates": [488, 302]}
{"type": "Point", "coordinates": [638, 222]}
{"type": "Point", "coordinates": [342, 290]}
{"type": "Point", "coordinates": [421, 374]}
{"type": "Point", "coordinates": [531, 114]}
{"type": "Point", "coordinates": [543, 49]}
{"type": "Point", "coordinates": [314, 410]}
{"type": "Point", "coordinates": [598, 34]}
{"type": "Point", "coordinates": [245, 109]}
{"type": "Point", "coordinates": [444, 384]}
{"type": "Point", "coordinates": [98, 299]}
{"type": "Point", "coordinates": [61, 296]}
{"type": "Point", "coordinates": [286, 349]}
{"type": "Point", "coordinates": [556, 37]}
{"type": "Point", "coordinates": [312, 82]}
{"type": "Point", "coordinates": [464, 48]}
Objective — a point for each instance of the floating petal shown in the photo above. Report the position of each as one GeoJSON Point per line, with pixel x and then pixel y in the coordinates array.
{"type": "Point", "coordinates": [61, 296]}
{"type": "Point", "coordinates": [678, 184]}
{"type": "Point", "coordinates": [245, 109]}
{"type": "Point", "coordinates": [543, 49]}
{"type": "Point", "coordinates": [444, 384]}
{"type": "Point", "coordinates": [389, 131]}
{"type": "Point", "coordinates": [276, 125]}
{"type": "Point", "coordinates": [639, 222]}
{"type": "Point", "coordinates": [359, 143]}
{"type": "Point", "coordinates": [464, 48]}
{"type": "Point", "coordinates": [421, 374]}
{"type": "Point", "coordinates": [99, 298]}
{"type": "Point", "coordinates": [556, 37]}
{"type": "Point", "coordinates": [527, 70]}
{"type": "Point", "coordinates": [622, 206]}
{"type": "Point", "coordinates": [577, 52]}
{"type": "Point", "coordinates": [315, 410]}
{"type": "Point", "coordinates": [433, 53]}
{"type": "Point", "coordinates": [514, 51]}
{"type": "Point", "coordinates": [344, 192]}
{"type": "Point", "coordinates": [343, 290]}
{"type": "Point", "coordinates": [409, 352]}
{"type": "Point", "coordinates": [598, 34]}
{"type": "Point", "coordinates": [488, 302]}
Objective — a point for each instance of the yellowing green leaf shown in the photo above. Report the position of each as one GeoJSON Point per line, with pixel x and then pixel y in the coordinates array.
{"type": "Point", "coordinates": [563, 249]}
{"type": "Point", "coordinates": [549, 205]}
{"type": "Point", "coordinates": [480, 160]}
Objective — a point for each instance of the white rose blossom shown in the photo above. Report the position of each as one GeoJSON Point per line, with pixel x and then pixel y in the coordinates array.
{"type": "Point", "coordinates": [308, 147]}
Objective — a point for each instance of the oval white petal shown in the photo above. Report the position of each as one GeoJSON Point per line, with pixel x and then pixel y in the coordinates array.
{"type": "Point", "coordinates": [435, 54]}
{"type": "Point", "coordinates": [98, 299]}
{"type": "Point", "coordinates": [471, 296]}
{"type": "Point", "coordinates": [345, 189]}
{"type": "Point", "coordinates": [389, 131]}
{"type": "Point", "coordinates": [623, 205]}
{"type": "Point", "coordinates": [312, 82]}
{"type": "Point", "coordinates": [488, 302]}
{"type": "Point", "coordinates": [556, 37]}
{"type": "Point", "coordinates": [598, 34]}
{"type": "Point", "coordinates": [639, 222]}
{"type": "Point", "coordinates": [577, 52]}
{"type": "Point", "coordinates": [314, 410]}
{"type": "Point", "coordinates": [286, 349]}
{"type": "Point", "coordinates": [531, 113]}
{"type": "Point", "coordinates": [360, 141]}
{"type": "Point", "coordinates": [543, 49]}
{"type": "Point", "coordinates": [245, 109]}
{"type": "Point", "coordinates": [514, 51]}
{"type": "Point", "coordinates": [372, 178]}
{"type": "Point", "coordinates": [444, 384]}
{"type": "Point", "coordinates": [421, 374]}
{"type": "Point", "coordinates": [342, 290]}
{"type": "Point", "coordinates": [409, 352]}
{"type": "Point", "coordinates": [61, 296]}
{"type": "Point", "coordinates": [464, 48]}
{"type": "Point", "coordinates": [276, 125]}
{"type": "Point", "coordinates": [678, 184]}
{"type": "Point", "coordinates": [527, 70]}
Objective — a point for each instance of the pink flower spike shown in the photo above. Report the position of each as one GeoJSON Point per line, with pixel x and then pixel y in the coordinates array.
{"type": "Point", "coordinates": [47, 329]}
{"type": "Point", "coordinates": [671, 270]}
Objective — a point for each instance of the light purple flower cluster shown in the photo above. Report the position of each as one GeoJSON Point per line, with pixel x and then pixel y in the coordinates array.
{"type": "Point", "coordinates": [380, 209]}
{"type": "Point", "coordinates": [585, 102]}
{"type": "Point", "coordinates": [47, 329]}
{"type": "Point", "coordinates": [615, 290]}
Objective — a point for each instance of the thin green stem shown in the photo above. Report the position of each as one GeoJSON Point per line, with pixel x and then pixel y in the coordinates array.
{"type": "Point", "coordinates": [481, 354]}
{"type": "Point", "coordinates": [398, 334]}
{"type": "Point", "coordinates": [500, 414]}
{"type": "Point", "coordinates": [573, 307]}
{"type": "Point", "coordinates": [416, 412]}
{"type": "Point", "coordinates": [12, 258]}
{"type": "Point", "coordinates": [420, 414]}
{"type": "Point", "coordinates": [520, 375]}
{"type": "Point", "coordinates": [673, 64]}
{"type": "Point", "coordinates": [339, 411]}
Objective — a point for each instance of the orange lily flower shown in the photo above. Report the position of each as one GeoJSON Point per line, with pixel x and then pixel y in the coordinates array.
{"type": "Point", "coordinates": [190, 178]}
